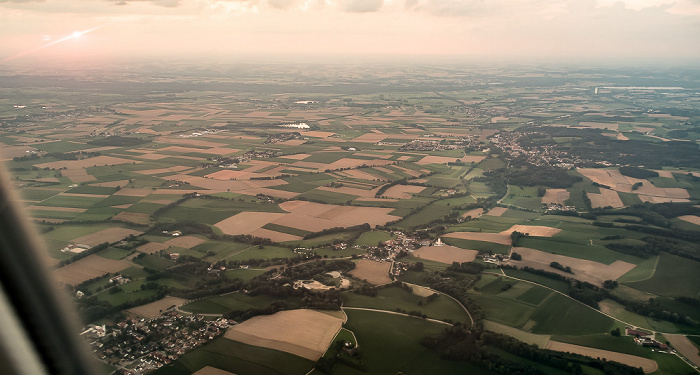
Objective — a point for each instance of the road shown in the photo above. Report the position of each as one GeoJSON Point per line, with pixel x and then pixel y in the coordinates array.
{"type": "Point", "coordinates": [396, 313]}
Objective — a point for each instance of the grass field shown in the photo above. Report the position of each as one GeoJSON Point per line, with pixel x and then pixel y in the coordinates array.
{"type": "Point", "coordinates": [267, 252]}
{"type": "Point", "coordinates": [505, 311]}
{"type": "Point", "coordinates": [561, 286]}
{"type": "Point", "coordinates": [668, 364]}
{"type": "Point", "coordinates": [644, 270]}
{"type": "Point", "coordinates": [372, 238]}
{"type": "Point", "coordinates": [523, 196]}
{"type": "Point", "coordinates": [674, 276]}
{"type": "Point", "coordinates": [391, 343]}
{"type": "Point", "coordinates": [534, 296]}
{"type": "Point", "coordinates": [229, 302]}
{"type": "Point", "coordinates": [562, 315]}
{"type": "Point", "coordinates": [154, 262]}
{"type": "Point", "coordinates": [442, 308]}
{"type": "Point", "coordinates": [237, 358]}
{"type": "Point", "coordinates": [480, 246]}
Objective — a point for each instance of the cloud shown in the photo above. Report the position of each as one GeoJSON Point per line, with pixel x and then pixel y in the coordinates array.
{"type": "Point", "coordinates": [281, 4]}
{"type": "Point", "coordinates": [363, 6]}
{"type": "Point", "coordinates": [163, 3]}
{"type": "Point", "coordinates": [21, 1]}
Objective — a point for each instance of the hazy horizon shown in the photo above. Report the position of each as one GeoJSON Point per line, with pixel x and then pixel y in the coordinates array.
{"type": "Point", "coordinates": [533, 31]}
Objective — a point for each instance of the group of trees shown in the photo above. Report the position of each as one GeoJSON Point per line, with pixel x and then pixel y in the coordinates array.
{"type": "Point", "coordinates": [458, 343]}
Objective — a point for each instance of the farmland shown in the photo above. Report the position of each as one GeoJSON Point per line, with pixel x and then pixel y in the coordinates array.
{"type": "Point", "coordinates": [304, 333]}
{"type": "Point", "coordinates": [521, 194]}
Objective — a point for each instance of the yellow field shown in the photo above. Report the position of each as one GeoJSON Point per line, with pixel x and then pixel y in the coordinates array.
{"type": "Point", "coordinates": [305, 333]}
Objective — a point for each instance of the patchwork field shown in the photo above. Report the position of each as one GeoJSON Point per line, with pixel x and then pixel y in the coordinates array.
{"type": "Point", "coordinates": [306, 333]}
{"type": "Point", "coordinates": [306, 216]}
{"type": "Point", "coordinates": [645, 190]}
{"type": "Point", "coordinates": [373, 272]}
{"type": "Point", "coordinates": [445, 254]}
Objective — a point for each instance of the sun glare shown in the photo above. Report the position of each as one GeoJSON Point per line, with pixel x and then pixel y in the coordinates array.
{"type": "Point", "coordinates": [77, 34]}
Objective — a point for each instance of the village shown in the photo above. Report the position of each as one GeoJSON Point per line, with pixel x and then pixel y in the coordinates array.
{"type": "Point", "coordinates": [137, 345]}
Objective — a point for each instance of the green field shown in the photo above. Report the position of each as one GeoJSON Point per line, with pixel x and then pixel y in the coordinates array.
{"type": "Point", "coordinates": [391, 343]}
{"type": "Point", "coordinates": [229, 302]}
{"type": "Point", "coordinates": [559, 285]}
{"type": "Point", "coordinates": [237, 358]}
{"type": "Point", "coordinates": [371, 238]}
{"type": "Point", "coordinates": [442, 308]}
{"type": "Point", "coordinates": [505, 311]}
{"type": "Point", "coordinates": [562, 315]}
{"type": "Point", "coordinates": [674, 276]}
{"type": "Point", "coordinates": [481, 246]}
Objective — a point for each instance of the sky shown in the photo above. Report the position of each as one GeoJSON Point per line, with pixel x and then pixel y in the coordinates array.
{"type": "Point", "coordinates": [642, 31]}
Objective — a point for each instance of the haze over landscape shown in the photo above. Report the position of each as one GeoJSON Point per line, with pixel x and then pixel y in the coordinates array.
{"type": "Point", "coordinates": [350, 187]}
{"type": "Point", "coordinates": [604, 31]}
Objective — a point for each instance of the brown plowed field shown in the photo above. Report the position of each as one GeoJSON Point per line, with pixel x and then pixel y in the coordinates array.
{"type": "Point", "coordinates": [151, 310]}
{"type": "Point", "coordinates": [373, 272]}
{"type": "Point", "coordinates": [305, 333]}
{"type": "Point", "coordinates": [556, 196]}
{"type": "Point", "coordinates": [647, 365]}
{"type": "Point", "coordinates": [132, 217]}
{"type": "Point", "coordinates": [605, 198]}
{"type": "Point", "coordinates": [152, 247]}
{"type": "Point", "coordinates": [685, 347]}
{"type": "Point", "coordinates": [110, 235]}
{"type": "Point", "coordinates": [274, 236]}
{"type": "Point", "coordinates": [584, 270]}
{"type": "Point", "coordinates": [403, 191]}
{"type": "Point", "coordinates": [691, 219]}
{"type": "Point", "coordinates": [532, 230]}
{"type": "Point", "coordinates": [208, 370]}
{"type": "Point", "coordinates": [445, 254]}
{"type": "Point", "coordinates": [473, 213]}
{"type": "Point", "coordinates": [187, 242]}
{"type": "Point", "coordinates": [88, 268]}
{"type": "Point", "coordinates": [246, 222]}
{"type": "Point", "coordinates": [497, 211]}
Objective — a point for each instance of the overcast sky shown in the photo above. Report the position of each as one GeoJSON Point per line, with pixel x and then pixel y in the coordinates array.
{"type": "Point", "coordinates": [666, 31]}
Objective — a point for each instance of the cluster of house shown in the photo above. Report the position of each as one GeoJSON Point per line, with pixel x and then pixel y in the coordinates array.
{"type": "Point", "coordinates": [281, 137]}
{"type": "Point", "coordinates": [427, 145]}
{"type": "Point", "coordinates": [495, 258]}
{"type": "Point", "coordinates": [75, 248]}
{"type": "Point", "coordinates": [138, 345]}
{"type": "Point", "coordinates": [557, 207]}
{"type": "Point", "coordinates": [119, 280]}
{"type": "Point", "coordinates": [200, 133]}
{"type": "Point", "coordinates": [645, 339]}
{"type": "Point", "coordinates": [540, 155]}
